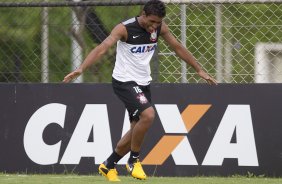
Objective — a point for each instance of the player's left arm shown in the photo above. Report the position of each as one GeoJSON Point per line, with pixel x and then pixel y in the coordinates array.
{"type": "Point", "coordinates": [184, 54]}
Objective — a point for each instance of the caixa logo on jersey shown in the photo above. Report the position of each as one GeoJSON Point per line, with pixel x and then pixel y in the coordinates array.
{"type": "Point", "coordinates": [174, 142]}
{"type": "Point", "coordinates": [143, 49]}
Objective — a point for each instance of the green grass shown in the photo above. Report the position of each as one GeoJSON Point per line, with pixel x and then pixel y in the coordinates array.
{"type": "Point", "coordinates": [89, 179]}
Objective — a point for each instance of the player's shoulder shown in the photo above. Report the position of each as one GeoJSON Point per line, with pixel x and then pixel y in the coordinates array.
{"type": "Point", "coordinates": [119, 28]}
{"type": "Point", "coordinates": [129, 21]}
{"type": "Point", "coordinates": [119, 31]}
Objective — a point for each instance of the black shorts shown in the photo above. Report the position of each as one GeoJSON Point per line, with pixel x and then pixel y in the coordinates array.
{"type": "Point", "coordinates": [136, 98]}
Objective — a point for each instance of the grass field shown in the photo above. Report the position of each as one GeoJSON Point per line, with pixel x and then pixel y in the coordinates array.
{"type": "Point", "coordinates": [85, 179]}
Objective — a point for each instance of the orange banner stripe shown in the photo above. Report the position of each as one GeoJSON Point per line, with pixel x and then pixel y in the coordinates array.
{"type": "Point", "coordinates": [192, 114]}
{"type": "Point", "coordinates": [162, 150]}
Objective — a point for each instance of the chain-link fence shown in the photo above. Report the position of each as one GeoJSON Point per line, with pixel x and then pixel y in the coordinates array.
{"type": "Point", "coordinates": [236, 41]}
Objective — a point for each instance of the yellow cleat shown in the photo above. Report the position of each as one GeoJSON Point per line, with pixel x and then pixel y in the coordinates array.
{"type": "Point", "coordinates": [110, 174]}
{"type": "Point", "coordinates": [136, 170]}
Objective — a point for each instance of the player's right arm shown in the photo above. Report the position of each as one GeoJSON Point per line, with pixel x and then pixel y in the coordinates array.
{"type": "Point", "coordinates": [118, 33]}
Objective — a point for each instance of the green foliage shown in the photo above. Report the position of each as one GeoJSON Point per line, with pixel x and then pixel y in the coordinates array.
{"type": "Point", "coordinates": [244, 25]}
{"type": "Point", "coordinates": [250, 24]}
{"type": "Point", "coordinates": [59, 43]}
{"type": "Point", "coordinates": [18, 35]}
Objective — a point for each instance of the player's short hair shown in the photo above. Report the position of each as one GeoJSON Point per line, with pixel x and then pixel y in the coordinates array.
{"type": "Point", "coordinates": [155, 7]}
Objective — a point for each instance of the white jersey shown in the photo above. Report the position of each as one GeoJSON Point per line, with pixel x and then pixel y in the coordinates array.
{"type": "Point", "coordinates": [134, 55]}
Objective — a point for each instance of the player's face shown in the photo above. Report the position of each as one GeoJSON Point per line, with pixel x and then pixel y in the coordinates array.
{"type": "Point", "coordinates": [152, 22]}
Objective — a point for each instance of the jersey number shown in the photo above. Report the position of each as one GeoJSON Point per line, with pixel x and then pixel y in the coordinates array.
{"type": "Point", "coordinates": [137, 89]}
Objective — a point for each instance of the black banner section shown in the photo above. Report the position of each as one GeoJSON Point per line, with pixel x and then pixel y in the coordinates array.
{"type": "Point", "coordinates": [221, 130]}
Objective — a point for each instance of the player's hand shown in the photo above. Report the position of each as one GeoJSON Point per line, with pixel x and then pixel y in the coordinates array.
{"type": "Point", "coordinates": [208, 78]}
{"type": "Point", "coordinates": [73, 75]}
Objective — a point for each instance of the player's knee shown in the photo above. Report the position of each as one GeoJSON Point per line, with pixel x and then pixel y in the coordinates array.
{"type": "Point", "coordinates": [148, 115]}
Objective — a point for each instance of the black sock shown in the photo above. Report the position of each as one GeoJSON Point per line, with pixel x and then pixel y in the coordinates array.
{"type": "Point", "coordinates": [133, 157]}
{"type": "Point", "coordinates": [112, 161]}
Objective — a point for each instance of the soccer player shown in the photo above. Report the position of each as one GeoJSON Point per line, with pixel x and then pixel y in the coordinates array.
{"type": "Point", "coordinates": [136, 40]}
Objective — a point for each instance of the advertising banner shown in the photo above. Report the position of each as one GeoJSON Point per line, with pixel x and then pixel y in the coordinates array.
{"type": "Point", "coordinates": [199, 129]}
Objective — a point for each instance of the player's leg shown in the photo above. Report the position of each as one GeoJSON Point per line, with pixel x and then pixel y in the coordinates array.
{"type": "Point", "coordinates": [137, 101]}
{"type": "Point", "coordinates": [145, 120]}
{"type": "Point", "coordinates": [139, 131]}
{"type": "Point", "coordinates": [133, 139]}
{"type": "Point", "coordinates": [141, 128]}
{"type": "Point", "coordinates": [124, 144]}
